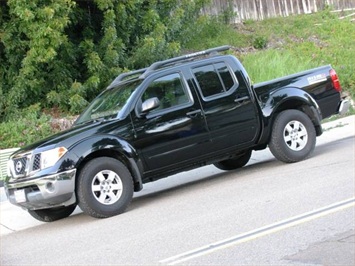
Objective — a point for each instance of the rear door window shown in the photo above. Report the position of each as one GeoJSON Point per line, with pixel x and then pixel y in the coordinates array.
{"type": "Point", "coordinates": [215, 80]}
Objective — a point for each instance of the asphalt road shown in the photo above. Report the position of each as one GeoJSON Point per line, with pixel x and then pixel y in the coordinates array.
{"type": "Point", "coordinates": [267, 213]}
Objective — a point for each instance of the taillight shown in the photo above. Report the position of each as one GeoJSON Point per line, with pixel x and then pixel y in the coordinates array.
{"type": "Point", "coordinates": [335, 80]}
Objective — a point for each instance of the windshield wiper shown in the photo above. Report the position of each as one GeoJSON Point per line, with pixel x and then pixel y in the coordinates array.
{"type": "Point", "coordinates": [99, 119]}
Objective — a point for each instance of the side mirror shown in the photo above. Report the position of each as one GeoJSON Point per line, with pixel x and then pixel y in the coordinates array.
{"type": "Point", "coordinates": [149, 105]}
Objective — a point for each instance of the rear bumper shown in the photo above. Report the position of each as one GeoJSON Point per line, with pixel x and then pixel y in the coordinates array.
{"type": "Point", "coordinates": [43, 192]}
{"type": "Point", "coordinates": [343, 107]}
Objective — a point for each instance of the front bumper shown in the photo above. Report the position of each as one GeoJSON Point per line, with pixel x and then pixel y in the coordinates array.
{"type": "Point", "coordinates": [43, 192]}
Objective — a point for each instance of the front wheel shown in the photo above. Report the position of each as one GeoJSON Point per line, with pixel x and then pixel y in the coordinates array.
{"type": "Point", "coordinates": [104, 187]}
{"type": "Point", "coordinates": [293, 136]}
{"type": "Point", "coordinates": [54, 214]}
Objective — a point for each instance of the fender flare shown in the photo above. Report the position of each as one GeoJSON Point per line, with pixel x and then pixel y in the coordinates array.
{"type": "Point", "coordinates": [289, 98]}
{"type": "Point", "coordinates": [111, 146]}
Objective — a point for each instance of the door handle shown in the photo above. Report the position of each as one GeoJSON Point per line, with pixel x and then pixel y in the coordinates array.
{"type": "Point", "coordinates": [242, 99]}
{"type": "Point", "coordinates": [194, 113]}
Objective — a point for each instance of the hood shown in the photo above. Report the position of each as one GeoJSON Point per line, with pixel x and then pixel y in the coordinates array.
{"type": "Point", "coordinates": [76, 134]}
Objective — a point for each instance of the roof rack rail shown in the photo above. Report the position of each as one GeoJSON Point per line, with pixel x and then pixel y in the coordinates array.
{"type": "Point", "coordinates": [159, 64]}
{"type": "Point", "coordinates": [156, 65]}
{"type": "Point", "coordinates": [124, 75]}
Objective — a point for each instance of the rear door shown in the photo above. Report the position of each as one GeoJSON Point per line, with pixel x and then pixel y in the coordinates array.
{"type": "Point", "coordinates": [176, 132]}
{"type": "Point", "coordinates": [230, 112]}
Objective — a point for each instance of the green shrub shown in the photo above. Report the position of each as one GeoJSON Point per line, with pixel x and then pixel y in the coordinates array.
{"type": "Point", "coordinates": [77, 104]}
{"type": "Point", "coordinates": [260, 42]}
{"type": "Point", "coordinates": [208, 32]}
{"type": "Point", "coordinates": [30, 126]}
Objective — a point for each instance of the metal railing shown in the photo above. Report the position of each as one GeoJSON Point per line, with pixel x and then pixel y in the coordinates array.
{"type": "Point", "coordinates": [4, 157]}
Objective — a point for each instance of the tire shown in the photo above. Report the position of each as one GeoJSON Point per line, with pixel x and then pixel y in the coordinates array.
{"type": "Point", "coordinates": [104, 187]}
{"type": "Point", "coordinates": [234, 163]}
{"type": "Point", "coordinates": [293, 136]}
{"type": "Point", "coordinates": [51, 215]}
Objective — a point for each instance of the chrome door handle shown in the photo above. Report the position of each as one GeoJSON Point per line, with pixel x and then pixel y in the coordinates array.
{"type": "Point", "coordinates": [242, 99]}
{"type": "Point", "coordinates": [194, 113]}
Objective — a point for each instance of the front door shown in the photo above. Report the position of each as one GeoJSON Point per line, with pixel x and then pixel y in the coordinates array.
{"type": "Point", "coordinates": [175, 132]}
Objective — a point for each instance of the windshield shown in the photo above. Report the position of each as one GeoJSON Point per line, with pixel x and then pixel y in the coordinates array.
{"type": "Point", "coordinates": [109, 103]}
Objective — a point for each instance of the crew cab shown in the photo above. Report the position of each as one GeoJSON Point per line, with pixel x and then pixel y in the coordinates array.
{"type": "Point", "coordinates": [173, 116]}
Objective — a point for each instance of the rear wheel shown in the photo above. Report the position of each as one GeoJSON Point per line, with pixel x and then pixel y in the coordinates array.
{"type": "Point", "coordinates": [104, 188]}
{"type": "Point", "coordinates": [234, 163]}
{"type": "Point", "coordinates": [54, 214]}
{"type": "Point", "coordinates": [293, 136]}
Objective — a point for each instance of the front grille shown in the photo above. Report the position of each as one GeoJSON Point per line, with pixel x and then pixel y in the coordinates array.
{"type": "Point", "coordinates": [36, 162]}
{"type": "Point", "coordinates": [25, 164]}
{"type": "Point", "coordinates": [20, 165]}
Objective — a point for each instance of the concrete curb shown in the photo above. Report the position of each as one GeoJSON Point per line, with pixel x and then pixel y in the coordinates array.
{"type": "Point", "coordinates": [3, 196]}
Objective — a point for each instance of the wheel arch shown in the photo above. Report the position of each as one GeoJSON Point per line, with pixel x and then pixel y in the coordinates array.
{"type": "Point", "coordinates": [112, 147]}
{"type": "Point", "coordinates": [287, 99]}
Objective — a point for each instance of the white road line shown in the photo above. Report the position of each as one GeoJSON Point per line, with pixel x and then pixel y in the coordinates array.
{"type": "Point", "coordinates": [262, 231]}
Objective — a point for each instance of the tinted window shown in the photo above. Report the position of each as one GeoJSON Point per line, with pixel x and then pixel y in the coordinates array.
{"type": "Point", "coordinates": [110, 103]}
{"type": "Point", "coordinates": [214, 79]}
{"type": "Point", "coordinates": [169, 90]}
{"type": "Point", "coordinates": [225, 75]}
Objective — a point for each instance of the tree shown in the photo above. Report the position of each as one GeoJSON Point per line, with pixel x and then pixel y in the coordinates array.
{"type": "Point", "coordinates": [63, 52]}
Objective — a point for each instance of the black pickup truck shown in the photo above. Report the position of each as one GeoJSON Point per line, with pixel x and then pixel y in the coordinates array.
{"type": "Point", "coordinates": [173, 116]}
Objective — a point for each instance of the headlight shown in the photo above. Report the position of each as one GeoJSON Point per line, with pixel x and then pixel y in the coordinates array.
{"type": "Point", "coordinates": [50, 157]}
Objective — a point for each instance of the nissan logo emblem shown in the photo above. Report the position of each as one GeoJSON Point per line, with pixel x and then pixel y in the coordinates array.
{"type": "Point", "coordinates": [18, 167]}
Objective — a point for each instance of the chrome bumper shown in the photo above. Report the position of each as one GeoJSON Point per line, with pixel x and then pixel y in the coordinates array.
{"type": "Point", "coordinates": [343, 107]}
{"type": "Point", "coordinates": [43, 192]}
